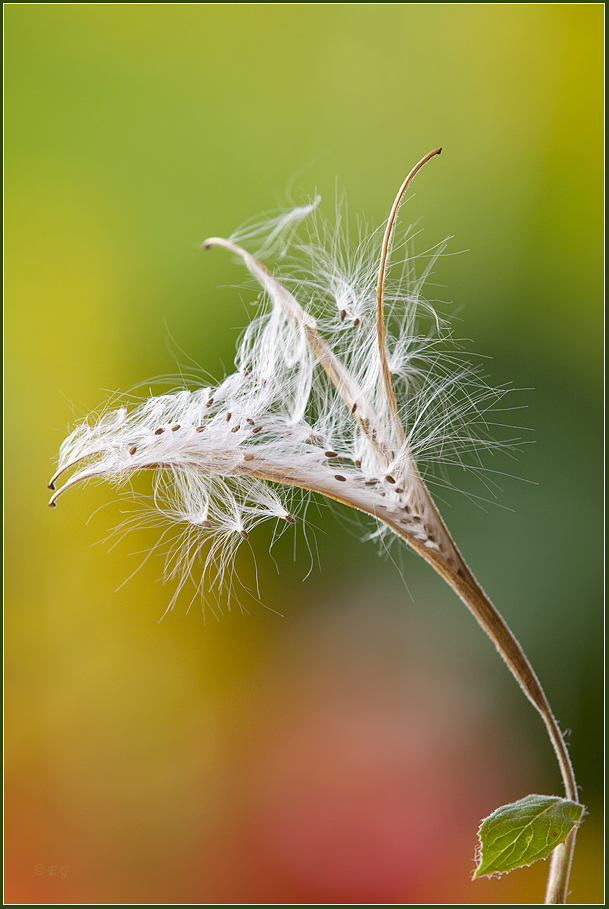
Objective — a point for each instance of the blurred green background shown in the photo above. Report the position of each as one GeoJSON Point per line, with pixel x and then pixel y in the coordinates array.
{"type": "Point", "coordinates": [346, 750]}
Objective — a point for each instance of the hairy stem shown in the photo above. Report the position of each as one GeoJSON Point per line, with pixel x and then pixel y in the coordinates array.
{"type": "Point", "coordinates": [508, 646]}
{"type": "Point", "coordinates": [557, 888]}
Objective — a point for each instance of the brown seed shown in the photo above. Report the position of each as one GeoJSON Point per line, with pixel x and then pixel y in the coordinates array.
{"type": "Point", "coordinates": [159, 432]}
{"type": "Point", "coordinates": [337, 476]}
{"type": "Point", "coordinates": [355, 322]}
{"type": "Point", "coordinates": [200, 429]}
{"type": "Point", "coordinates": [206, 524]}
{"type": "Point", "coordinates": [244, 534]}
{"type": "Point", "coordinates": [358, 463]}
{"type": "Point", "coordinates": [175, 428]}
{"type": "Point", "coordinates": [330, 454]}
{"type": "Point", "coordinates": [354, 408]}
{"type": "Point", "coordinates": [235, 428]}
{"type": "Point", "coordinates": [132, 450]}
{"type": "Point", "coordinates": [389, 478]}
{"type": "Point", "coordinates": [290, 519]}
{"type": "Point", "coordinates": [228, 416]}
{"type": "Point", "coordinates": [251, 422]}
{"type": "Point", "coordinates": [372, 482]}
{"type": "Point", "coordinates": [248, 457]}
{"type": "Point", "coordinates": [257, 429]}
{"type": "Point", "coordinates": [210, 402]}
{"type": "Point", "coordinates": [343, 313]}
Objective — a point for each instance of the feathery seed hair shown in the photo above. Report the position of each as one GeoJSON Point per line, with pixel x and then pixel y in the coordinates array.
{"type": "Point", "coordinates": [347, 385]}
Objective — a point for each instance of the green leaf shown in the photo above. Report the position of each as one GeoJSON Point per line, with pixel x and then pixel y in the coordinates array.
{"type": "Point", "coordinates": [527, 830]}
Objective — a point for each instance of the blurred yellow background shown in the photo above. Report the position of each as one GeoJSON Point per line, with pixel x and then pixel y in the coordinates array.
{"type": "Point", "coordinates": [346, 750]}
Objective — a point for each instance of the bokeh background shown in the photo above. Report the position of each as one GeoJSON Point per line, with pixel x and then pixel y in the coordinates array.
{"type": "Point", "coordinates": [340, 742]}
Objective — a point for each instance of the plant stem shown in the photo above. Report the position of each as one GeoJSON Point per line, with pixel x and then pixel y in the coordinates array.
{"type": "Point", "coordinates": [508, 646]}
{"type": "Point", "coordinates": [557, 888]}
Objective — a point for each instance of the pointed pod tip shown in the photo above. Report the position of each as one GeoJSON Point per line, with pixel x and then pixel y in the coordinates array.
{"type": "Point", "coordinates": [211, 241]}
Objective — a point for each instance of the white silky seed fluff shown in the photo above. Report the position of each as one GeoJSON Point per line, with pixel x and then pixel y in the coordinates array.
{"type": "Point", "coordinates": [229, 457]}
